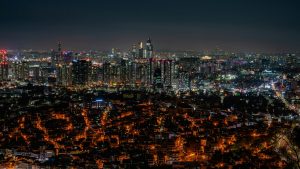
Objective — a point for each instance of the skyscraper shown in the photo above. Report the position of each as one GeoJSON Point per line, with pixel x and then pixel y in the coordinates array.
{"type": "Point", "coordinates": [141, 50]}
{"type": "Point", "coordinates": [21, 70]}
{"type": "Point", "coordinates": [106, 73]}
{"type": "Point", "coordinates": [63, 66]}
{"type": "Point", "coordinates": [134, 52]}
{"type": "Point", "coordinates": [150, 71]}
{"type": "Point", "coordinates": [81, 72]}
{"type": "Point", "coordinates": [184, 81]}
{"type": "Point", "coordinates": [3, 65]}
{"type": "Point", "coordinates": [167, 73]}
{"type": "Point", "coordinates": [157, 84]}
{"type": "Point", "coordinates": [63, 72]}
{"type": "Point", "coordinates": [148, 49]}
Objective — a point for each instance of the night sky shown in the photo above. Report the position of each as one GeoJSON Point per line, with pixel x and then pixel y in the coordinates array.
{"type": "Point", "coordinates": [237, 25]}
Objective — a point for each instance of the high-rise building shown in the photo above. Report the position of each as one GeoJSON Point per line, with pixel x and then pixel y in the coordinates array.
{"type": "Point", "coordinates": [106, 73]}
{"type": "Point", "coordinates": [124, 73]}
{"type": "Point", "coordinates": [134, 51]}
{"type": "Point", "coordinates": [35, 73]}
{"type": "Point", "coordinates": [184, 81]}
{"type": "Point", "coordinates": [21, 70]}
{"type": "Point", "coordinates": [157, 84]}
{"type": "Point", "coordinates": [115, 73]}
{"type": "Point", "coordinates": [141, 72]}
{"type": "Point", "coordinates": [141, 50]}
{"type": "Point", "coordinates": [132, 72]}
{"type": "Point", "coordinates": [96, 72]}
{"type": "Point", "coordinates": [57, 56]}
{"type": "Point", "coordinates": [167, 73]}
{"type": "Point", "coordinates": [63, 66]}
{"type": "Point", "coordinates": [46, 71]}
{"type": "Point", "coordinates": [148, 49]}
{"type": "Point", "coordinates": [63, 74]}
{"type": "Point", "coordinates": [53, 58]}
{"type": "Point", "coordinates": [150, 71]}
{"type": "Point", "coordinates": [3, 65]}
{"type": "Point", "coordinates": [81, 72]}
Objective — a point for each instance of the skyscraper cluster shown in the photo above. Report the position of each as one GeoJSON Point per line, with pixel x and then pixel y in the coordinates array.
{"type": "Point", "coordinates": [141, 67]}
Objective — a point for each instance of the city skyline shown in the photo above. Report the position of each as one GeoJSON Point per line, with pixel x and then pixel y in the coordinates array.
{"type": "Point", "coordinates": [257, 26]}
{"type": "Point", "coordinates": [149, 84]}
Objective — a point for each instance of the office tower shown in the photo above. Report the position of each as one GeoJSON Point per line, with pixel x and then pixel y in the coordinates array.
{"type": "Point", "coordinates": [96, 73]}
{"type": "Point", "coordinates": [59, 65]}
{"type": "Point", "coordinates": [19, 70]}
{"type": "Point", "coordinates": [128, 72]}
{"type": "Point", "coordinates": [45, 73]}
{"type": "Point", "coordinates": [60, 58]}
{"type": "Point", "coordinates": [124, 72]}
{"type": "Point", "coordinates": [3, 65]}
{"type": "Point", "coordinates": [167, 73]}
{"type": "Point", "coordinates": [132, 66]}
{"type": "Point", "coordinates": [175, 74]}
{"type": "Point", "coordinates": [56, 56]}
{"type": "Point", "coordinates": [63, 72]}
{"type": "Point", "coordinates": [81, 72]}
{"type": "Point", "coordinates": [157, 84]}
{"type": "Point", "coordinates": [34, 73]}
{"type": "Point", "coordinates": [184, 82]}
{"type": "Point", "coordinates": [53, 58]}
{"type": "Point", "coordinates": [150, 71]}
{"type": "Point", "coordinates": [149, 49]}
{"type": "Point", "coordinates": [134, 51]}
{"type": "Point", "coordinates": [141, 50]}
{"type": "Point", "coordinates": [115, 73]}
{"type": "Point", "coordinates": [141, 70]}
{"type": "Point", "coordinates": [63, 67]}
{"type": "Point", "coordinates": [106, 73]}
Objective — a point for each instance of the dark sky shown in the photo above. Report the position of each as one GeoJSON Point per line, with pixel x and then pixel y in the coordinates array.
{"type": "Point", "coordinates": [245, 25]}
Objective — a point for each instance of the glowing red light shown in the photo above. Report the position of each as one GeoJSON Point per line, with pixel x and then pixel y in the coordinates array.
{"type": "Point", "coordinates": [3, 51]}
{"type": "Point", "coordinates": [3, 57]}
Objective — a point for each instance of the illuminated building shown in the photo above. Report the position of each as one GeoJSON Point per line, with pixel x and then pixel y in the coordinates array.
{"type": "Point", "coordinates": [184, 81]}
{"type": "Point", "coordinates": [207, 65]}
{"type": "Point", "coordinates": [81, 72]}
{"type": "Point", "coordinates": [132, 72]}
{"type": "Point", "coordinates": [63, 67]}
{"type": "Point", "coordinates": [106, 73]}
{"type": "Point", "coordinates": [140, 69]}
{"type": "Point", "coordinates": [63, 72]}
{"type": "Point", "coordinates": [96, 72]}
{"type": "Point", "coordinates": [3, 65]}
{"type": "Point", "coordinates": [45, 73]}
{"type": "Point", "coordinates": [56, 56]}
{"type": "Point", "coordinates": [167, 73]}
{"type": "Point", "coordinates": [150, 71]}
{"type": "Point", "coordinates": [115, 73]}
{"type": "Point", "coordinates": [141, 50]}
{"type": "Point", "coordinates": [34, 73]}
{"type": "Point", "coordinates": [134, 51]}
{"type": "Point", "coordinates": [124, 74]}
{"type": "Point", "coordinates": [157, 79]}
{"type": "Point", "coordinates": [148, 49]}
{"type": "Point", "coordinates": [21, 70]}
